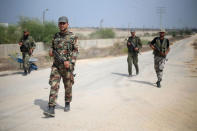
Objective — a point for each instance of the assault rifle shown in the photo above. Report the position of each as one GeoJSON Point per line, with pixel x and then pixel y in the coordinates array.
{"type": "Point", "coordinates": [135, 47]}
{"type": "Point", "coordinates": [159, 50]}
{"type": "Point", "coordinates": [60, 60]}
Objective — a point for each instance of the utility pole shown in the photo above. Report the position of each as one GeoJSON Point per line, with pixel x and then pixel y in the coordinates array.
{"type": "Point", "coordinates": [161, 11]}
{"type": "Point", "coordinates": [43, 15]}
{"type": "Point", "coordinates": [101, 23]}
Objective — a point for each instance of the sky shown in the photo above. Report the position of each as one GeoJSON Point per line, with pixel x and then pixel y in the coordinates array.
{"type": "Point", "coordinates": [114, 13]}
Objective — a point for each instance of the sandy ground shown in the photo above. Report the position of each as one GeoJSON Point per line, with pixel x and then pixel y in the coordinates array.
{"type": "Point", "coordinates": [105, 98]}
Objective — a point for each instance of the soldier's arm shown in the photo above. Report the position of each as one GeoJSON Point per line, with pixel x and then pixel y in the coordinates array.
{"type": "Point", "coordinates": [51, 49]}
{"type": "Point", "coordinates": [75, 50]}
{"type": "Point", "coordinates": [168, 47]}
{"type": "Point", "coordinates": [139, 45]}
{"type": "Point", "coordinates": [128, 42]}
{"type": "Point", "coordinates": [32, 45]}
{"type": "Point", "coordinates": [152, 43]}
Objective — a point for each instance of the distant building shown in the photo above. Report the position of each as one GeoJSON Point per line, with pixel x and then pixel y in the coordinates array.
{"type": "Point", "coordinates": [4, 24]}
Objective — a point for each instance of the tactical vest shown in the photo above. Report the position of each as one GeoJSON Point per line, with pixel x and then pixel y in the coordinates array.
{"type": "Point", "coordinates": [162, 46]}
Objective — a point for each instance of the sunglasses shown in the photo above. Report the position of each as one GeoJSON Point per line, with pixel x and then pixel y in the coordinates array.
{"type": "Point", "coordinates": [62, 23]}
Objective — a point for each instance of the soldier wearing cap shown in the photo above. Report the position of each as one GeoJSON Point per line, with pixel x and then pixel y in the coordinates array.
{"type": "Point", "coordinates": [161, 47]}
{"type": "Point", "coordinates": [134, 45]}
{"type": "Point", "coordinates": [27, 45]}
{"type": "Point", "coordinates": [65, 45]}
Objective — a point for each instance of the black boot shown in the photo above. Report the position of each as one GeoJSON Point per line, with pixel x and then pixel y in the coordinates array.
{"type": "Point", "coordinates": [50, 112]}
{"type": "Point", "coordinates": [67, 107]}
{"type": "Point", "coordinates": [25, 72]}
{"type": "Point", "coordinates": [158, 84]}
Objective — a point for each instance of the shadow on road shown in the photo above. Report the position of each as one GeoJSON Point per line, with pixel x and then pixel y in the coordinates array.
{"type": "Point", "coordinates": [144, 82]}
{"type": "Point", "coordinates": [15, 73]}
{"type": "Point", "coordinates": [120, 74]}
{"type": "Point", "coordinates": [44, 104]}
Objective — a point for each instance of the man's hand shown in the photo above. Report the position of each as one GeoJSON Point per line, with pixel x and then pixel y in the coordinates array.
{"type": "Point", "coordinates": [163, 54]}
{"type": "Point", "coordinates": [129, 43]}
{"type": "Point", "coordinates": [66, 64]}
{"type": "Point", "coordinates": [20, 43]}
{"type": "Point", "coordinates": [136, 49]}
{"type": "Point", "coordinates": [30, 51]}
{"type": "Point", "coordinates": [51, 53]}
{"type": "Point", "coordinates": [152, 47]}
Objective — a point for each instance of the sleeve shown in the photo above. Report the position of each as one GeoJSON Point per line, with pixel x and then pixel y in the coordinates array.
{"type": "Point", "coordinates": [168, 44]}
{"type": "Point", "coordinates": [139, 45]}
{"type": "Point", "coordinates": [153, 41]}
{"type": "Point", "coordinates": [75, 49]}
{"type": "Point", "coordinates": [32, 42]}
{"type": "Point", "coordinates": [128, 41]}
{"type": "Point", "coordinates": [52, 42]}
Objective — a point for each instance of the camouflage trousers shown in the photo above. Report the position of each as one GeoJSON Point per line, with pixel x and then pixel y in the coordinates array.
{"type": "Point", "coordinates": [159, 63]}
{"type": "Point", "coordinates": [132, 59]}
{"type": "Point", "coordinates": [26, 58]}
{"type": "Point", "coordinates": [54, 81]}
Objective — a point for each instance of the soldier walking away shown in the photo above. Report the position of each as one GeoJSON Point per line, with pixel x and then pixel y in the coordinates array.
{"type": "Point", "coordinates": [134, 45]}
{"type": "Point", "coordinates": [27, 45]}
{"type": "Point", "coordinates": [64, 50]}
{"type": "Point", "coordinates": [161, 47]}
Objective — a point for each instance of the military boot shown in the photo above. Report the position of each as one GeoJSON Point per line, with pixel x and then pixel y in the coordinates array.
{"type": "Point", "coordinates": [50, 112]}
{"type": "Point", "coordinates": [67, 107]}
{"type": "Point", "coordinates": [158, 84]}
{"type": "Point", "coordinates": [25, 72]}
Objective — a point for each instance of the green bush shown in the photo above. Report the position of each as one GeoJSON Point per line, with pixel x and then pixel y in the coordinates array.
{"type": "Point", "coordinates": [40, 32]}
{"type": "Point", "coordinates": [144, 42]}
{"type": "Point", "coordinates": [102, 34]}
{"type": "Point", "coordinates": [9, 34]}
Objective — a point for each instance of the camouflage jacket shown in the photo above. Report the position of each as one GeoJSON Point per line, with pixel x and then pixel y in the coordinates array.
{"type": "Point", "coordinates": [66, 46]}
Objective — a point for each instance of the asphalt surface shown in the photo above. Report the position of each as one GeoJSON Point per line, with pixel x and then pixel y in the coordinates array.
{"type": "Point", "coordinates": [105, 98]}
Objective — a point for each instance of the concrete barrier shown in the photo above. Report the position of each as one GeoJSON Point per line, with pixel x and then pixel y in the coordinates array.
{"type": "Point", "coordinates": [6, 49]}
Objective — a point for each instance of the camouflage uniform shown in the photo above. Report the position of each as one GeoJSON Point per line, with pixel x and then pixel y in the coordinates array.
{"type": "Point", "coordinates": [159, 60]}
{"type": "Point", "coordinates": [27, 44]}
{"type": "Point", "coordinates": [132, 54]}
{"type": "Point", "coordinates": [66, 46]}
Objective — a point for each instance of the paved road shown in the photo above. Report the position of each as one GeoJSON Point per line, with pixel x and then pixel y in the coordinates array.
{"type": "Point", "coordinates": [105, 98]}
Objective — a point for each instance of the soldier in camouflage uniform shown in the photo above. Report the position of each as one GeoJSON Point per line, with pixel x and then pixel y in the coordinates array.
{"type": "Point", "coordinates": [160, 46]}
{"type": "Point", "coordinates": [65, 44]}
{"type": "Point", "coordinates": [133, 45]}
{"type": "Point", "coordinates": [27, 45]}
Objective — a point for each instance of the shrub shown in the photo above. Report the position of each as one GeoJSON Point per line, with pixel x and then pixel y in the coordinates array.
{"type": "Point", "coordinates": [103, 34]}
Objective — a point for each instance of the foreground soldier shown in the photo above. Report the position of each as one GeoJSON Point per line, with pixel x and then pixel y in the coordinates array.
{"type": "Point", "coordinates": [160, 46]}
{"type": "Point", "coordinates": [27, 45]}
{"type": "Point", "coordinates": [64, 50]}
{"type": "Point", "coordinates": [133, 45]}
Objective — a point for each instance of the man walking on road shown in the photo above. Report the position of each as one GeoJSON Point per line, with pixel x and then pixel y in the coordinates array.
{"type": "Point", "coordinates": [64, 49]}
{"type": "Point", "coordinates": [160, 46]}
{"type": "Point", "coordinates": [133, 44]}
{"type": "Point", "coordinates": [27, 45]}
